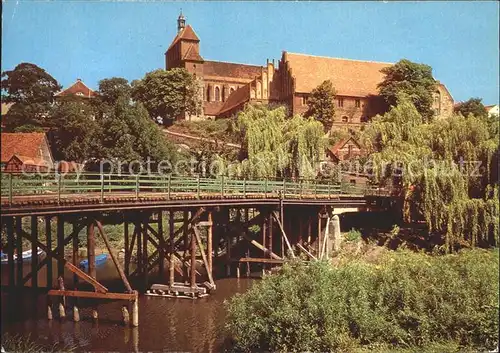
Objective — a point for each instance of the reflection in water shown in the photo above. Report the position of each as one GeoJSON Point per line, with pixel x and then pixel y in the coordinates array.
{"type": "Point", "coordinates": [164, 324]}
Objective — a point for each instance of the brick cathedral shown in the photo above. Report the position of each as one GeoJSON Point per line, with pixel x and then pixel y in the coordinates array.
{"type": "Point", "coordinates": [227, 87]}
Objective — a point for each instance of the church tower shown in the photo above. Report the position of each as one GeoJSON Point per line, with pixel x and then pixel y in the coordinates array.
{"type": "Point", "coordinates": [185, 49]}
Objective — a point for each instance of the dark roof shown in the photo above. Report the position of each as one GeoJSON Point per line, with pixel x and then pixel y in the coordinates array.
{"type": "Point", "coordinates": [223, 69]}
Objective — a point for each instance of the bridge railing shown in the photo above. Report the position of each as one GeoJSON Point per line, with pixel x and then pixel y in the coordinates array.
{"type": "Point", "coordinates": [61, 185]}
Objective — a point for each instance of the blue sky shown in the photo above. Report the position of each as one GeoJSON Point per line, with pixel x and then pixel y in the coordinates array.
{"type": "Point", "coordinates": [94, 40]}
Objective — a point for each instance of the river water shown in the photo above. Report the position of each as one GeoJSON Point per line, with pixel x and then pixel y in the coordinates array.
{"type": "Point", "coordinates": [165, 324]}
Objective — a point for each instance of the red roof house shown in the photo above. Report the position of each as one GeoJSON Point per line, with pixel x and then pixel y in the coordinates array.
{"type": "Point", "coordinates": [27, 152]}
{"type": "Point", "coordinates": [78, 89]}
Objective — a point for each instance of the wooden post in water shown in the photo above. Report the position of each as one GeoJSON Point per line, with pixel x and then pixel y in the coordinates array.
{"type": "Point", "coordinates": [91, 248]}
{"type": "Point", "coordinates": [135, 313]}
{"type": "Point", "coordinates": [34, 252]}
{"type": "Point", "coordinates": [172, 247]}
{"type": "Point", "coordinates": [127, 246]}
{"type": "Point", "coordinates": [19, 250]}
{"type": "Point", "coordinates": [60, 245]}
{"type": "Point", "coordinates": [76, 313]}
{"type": "Point", "coordinates": [161, 246]}
{"type": "Point", "coordinates": [145, 236]}
{"type": "Point", "coordinates": [126, 315]}
{"type": "Point", "coordinates": [10, 255]}
{"type": "Point", "coordinates": [186, 245]}
{"type": "Point", "coordinates": [49, 312]}
{"type": "Point", "coordinates": [75, 253]}
{"type": "Point", "coordinates": [193, 261]}
{"type": "Point", "coordinates": [138, 229]}
{"type": "Point", "coordinates": [48, 236]}
{"type": "Point", "coordinates": [209, 243]}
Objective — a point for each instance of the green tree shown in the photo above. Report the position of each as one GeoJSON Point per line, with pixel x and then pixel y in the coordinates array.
{"type": "Point", "coordinates": [110, 89]}
{"type": "Point", "coordinates": [435, 165]}
{"type": "Point", "coordinates": [321, 104]}
{"type": "Point", "coordinates": [411, 79]}
{"type": "Point", "coordinates": [276, 146]}
{"type": "Point", "coordinates": [168, 94]}
{"type": "Point", "coordinates": [128, 134]}
{"type": "Point", "coordinates": [74, 132]}
{"type": "Point", "coordinates": [472, 106]}
{"type": "Point", "coordinates": [32, 90]}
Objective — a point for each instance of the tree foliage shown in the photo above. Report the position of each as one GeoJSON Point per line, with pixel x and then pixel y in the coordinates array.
{"type": "Point", "coordinates": [168, 94]}
{"type": "Point", "coordinates": [446, 169]}
{"type": "Point", "coordinates": [411, 79]}
{"type": "Point", "coordinates": [403, 300]}
{"type": "Point", "coordinates": [276, 146]}
{"type": "Point", "coordinates": [472, 106]}
{"type": "Point", "coordinates": [74, 133]}
{"type": "Point", "coordinates": [321, 104]}
{"type": "Point", "coordinates": [111, 89]}
{"type": "Point", "coordinates": [32, 90]}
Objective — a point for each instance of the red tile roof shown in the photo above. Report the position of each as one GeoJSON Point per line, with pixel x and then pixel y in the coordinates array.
{"type": "Point", "coordinates": [223, 69]}
{"type": "Point", "coordinates": [186, 33]}
{"type": "Point", "coordinates": [349, 77]}
{"type": "Point", "coordinates": [76, 88]}
{"type": "Point", "coordinates": [237, 98]}
{"type": "Point", "coordinates": [23, 145]}
{"type": "Point", "coordinates": [212, 108]}
{"type": "Point", "coordinates": [335, 148]}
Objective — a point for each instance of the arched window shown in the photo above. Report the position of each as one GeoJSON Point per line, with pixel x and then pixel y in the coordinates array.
{"type": "Point", "coordinates": [209, 93]}
{"type": "Point", "coordinates": [217, 94]}
{"type": "Point", "coordinates": [259, 90]}
{"type": "Point", "coordinates": [224, 93]}
{"type": "Point", "coordinates": [231, 90]}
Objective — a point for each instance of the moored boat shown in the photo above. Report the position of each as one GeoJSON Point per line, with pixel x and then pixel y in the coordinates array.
{"type": "Point", "coordinates": [99, 261]}
{"type": "Point", "coordinates": [25, 255]}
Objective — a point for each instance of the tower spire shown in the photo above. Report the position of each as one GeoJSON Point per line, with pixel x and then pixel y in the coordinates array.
{"type": "Point", "coordinates": [181, 22]}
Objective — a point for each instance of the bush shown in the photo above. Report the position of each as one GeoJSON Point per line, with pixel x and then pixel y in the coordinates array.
{"type": "Point", "coordinates": [353, 235]}
{"type": "Point", "coordinates": [406, 300]}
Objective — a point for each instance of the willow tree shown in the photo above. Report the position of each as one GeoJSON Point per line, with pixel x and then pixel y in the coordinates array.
{"type": "Point", "coordinates": [445, 169]}
{"type": "Point", "coordinates": [277, 146]}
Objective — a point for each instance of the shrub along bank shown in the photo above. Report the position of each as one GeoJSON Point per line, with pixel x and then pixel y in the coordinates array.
{"type": "Point", "coordinates": [404, 301]}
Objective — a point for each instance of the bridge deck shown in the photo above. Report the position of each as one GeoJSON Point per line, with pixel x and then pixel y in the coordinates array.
{"type": "Point", "coordinates": [22, 194]}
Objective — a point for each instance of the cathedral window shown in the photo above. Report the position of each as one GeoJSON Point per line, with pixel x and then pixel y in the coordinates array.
{"type": "Point", "coordinates": [340, 102]}
{"type": "Point", "coordinates": [357, 103]}
{"type": "Point", "coordinates": [217, 94]}
{"type": "Point", "coordinates": [208, 94]}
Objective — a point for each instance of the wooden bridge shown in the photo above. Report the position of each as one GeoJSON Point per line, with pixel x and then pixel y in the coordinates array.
{"type": "Point", "coordinates": [175, 228]}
